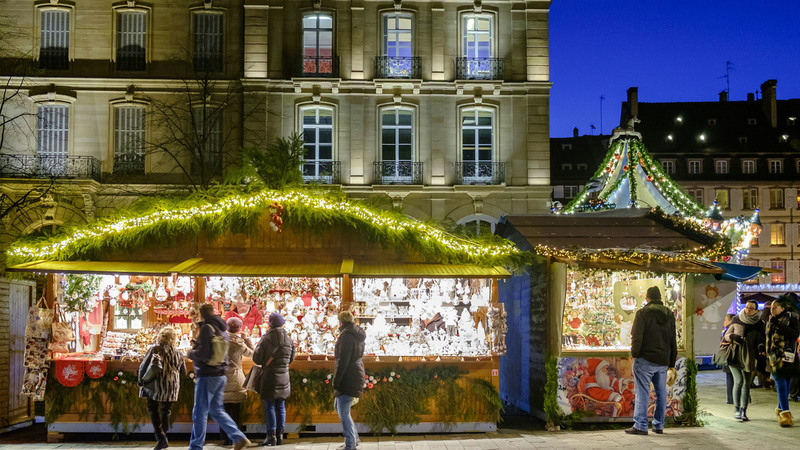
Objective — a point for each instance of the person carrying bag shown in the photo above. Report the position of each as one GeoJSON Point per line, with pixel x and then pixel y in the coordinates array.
{"type": "Point", "coordinates": [274, 353]}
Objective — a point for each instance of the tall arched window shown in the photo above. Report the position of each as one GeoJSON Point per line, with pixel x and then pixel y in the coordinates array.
{"type": "Point", "coordinates": [318, 58]}
{"type": "Point", "coordinates": [129, 138]}
{"type": "Point", "coordinates": [477, 148]}
{"type": "Point", "coordinates": [317, 126]}
{"type": "Point", "coordinates": [397, 147]}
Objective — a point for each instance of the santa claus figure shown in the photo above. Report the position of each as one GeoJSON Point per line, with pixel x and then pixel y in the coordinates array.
{"type": "Point", "coordinates": [601, 386]}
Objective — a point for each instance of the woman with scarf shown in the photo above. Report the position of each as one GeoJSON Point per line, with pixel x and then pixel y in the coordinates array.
{"type": "Point", "coordinates": [234, 393]}
{"type": "Point", "coordinates": [782, 331]}
{"type": "Point", "coordinates": [745, 333]}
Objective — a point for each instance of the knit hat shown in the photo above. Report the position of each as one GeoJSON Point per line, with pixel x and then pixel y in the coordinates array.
{"type": "Point", "coordinates": [654, 293]}
{"type": "Point", "coordinates": [234, 324]}
{"type": "Point", "coordinates": [276, 320]}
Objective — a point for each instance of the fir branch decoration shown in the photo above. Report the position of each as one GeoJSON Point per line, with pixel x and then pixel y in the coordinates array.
{"type": "Point", "coordinates": [78, 291]}
{"type": "Point", "coordinates": [690, 416]}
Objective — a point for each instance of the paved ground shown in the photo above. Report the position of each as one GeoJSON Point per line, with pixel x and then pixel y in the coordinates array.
{"type": "Point", "coordinates": [720, 431]}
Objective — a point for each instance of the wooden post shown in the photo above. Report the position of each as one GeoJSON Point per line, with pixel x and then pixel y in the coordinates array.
{"type": "Point", "coordinates": [347, 292]}
{"type": "Point", "coordinates": [50, 290]}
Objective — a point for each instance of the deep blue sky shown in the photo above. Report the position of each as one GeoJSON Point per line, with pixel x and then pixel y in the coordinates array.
{"type": "Point", "coordinates": [672, 50]}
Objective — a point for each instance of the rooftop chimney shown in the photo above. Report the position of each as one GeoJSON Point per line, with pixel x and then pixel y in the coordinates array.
{"type": "Point", "coordinates": [769, 102]}
{"type": "Point", "coordinates": [751, 97]}
{"type": "Point", "coordinates": [723, 96]}
{"type": "Point", "coordinates": [633, 101]}
{"type": "Point", "coordinates": [575, 132]}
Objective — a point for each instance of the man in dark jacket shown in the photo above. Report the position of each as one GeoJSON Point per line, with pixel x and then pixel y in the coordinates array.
{"type": "Point", "coordinates": [654, 349]}
{"type": "Point", "coordinates": [211, 380]}
{"type": "Point", "coordinates": [348, 375]}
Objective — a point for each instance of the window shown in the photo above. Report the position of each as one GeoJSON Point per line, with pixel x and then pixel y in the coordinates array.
{"type": "Point", "coordinates": [477, 48]}
{"type": "Point", "coordinates": [397, 145]}
{"type": "Point", "coordinates": [723, 199]}
{"type": "Point", "coordinates": [668, 165]}
{"type": "Point", "coordinates": [748, 166]}
{"type": "Point", "coordinates": [565, 167]}
{"type": "Point", "coordinates": [477, 224]}
{"type": "Point", "coordinates": [53, 131]}
{"type": "Point", "coordinates": [776, 234]}
{"type": "Point", "coordinates": [776, 198]}
{"type": "Point", "coordinates": [477, 145]}
{"type": "Point", "coordinates": [318, 138]}
{"type": "Point", "coordinates": [318, 44]}
{"type": "Point", "coordinates": [208, 133]}
{"type": "Point", "coordinates": [749, 198]}
{"type": "Point", "coordinates": [398, 54]}
{"type": "Point", "coordinates": [131, 40]}
{"type": "Point", "coordinates": [778, 277]}
{"type": "Point", "coordinates": [208, 32]}
{"type": "Point", "coordinates": [570, 191]}
{"type": "Point", "coordinates": [721, 166]}
{"type": "Point", "coordinates": [582, 166]}
{"type": "Point", "coordinates": [697, 195]}
{"type": "Point", "coordinates": [127, 318]}
{"type": "Point", "coordinates": [775, 166]}
{"type": "Point", "coordinates": [695, 166]}
{"type": "Point", "coordinates": [129, 139]}
{"type": "Point", "coordinates": [54, 46]}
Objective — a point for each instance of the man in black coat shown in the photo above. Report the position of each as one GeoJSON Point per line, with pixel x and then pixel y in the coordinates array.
{"type": "Point", "coordinates": [348, 375]}
{"type": "Point", "coordinates": [654, 348]}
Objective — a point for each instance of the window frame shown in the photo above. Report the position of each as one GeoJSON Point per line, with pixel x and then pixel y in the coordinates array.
{"type": "Point", "coordinates": [398, 173]}
{"type": "Point", "coordinates": [699, 164]}
{"type": "Point", "coordinates": [397, 15]}
{"type": "Point", "coordinates": [777, 198]}
{"type": "Point", "coordinates": [477, 219]}
{"type": "Point", "coordinates": [115, 132]}
{"type": "Point", "coordinates": [476, 111]}
{"type": "Point", "coordinates": [775, 166]}
{"type": "Point", "coordinates": [726, 203]}
{"type": "Point", "coordinates": [214, 66]}
{"type": "Point", "coordinates": [668, 166]}
{"type": "Point", "coordinates": [215, 109]}
{"type": "Point", "coordinates": [138, 9]}
{"type": "Point", "coordinates": [778, 277]}
{"type": "Point", "coordinates": [752, 195]}
{"type": "Point", "coordinates": [722, 166]}
{"type": "Point", "coordinates": [693, 193]}
{"type": "Point", "coordinates": [777, 234]}
{"type": "Point", "coordinates": [317, 127]}
{"type": "Point", "coordinates": [464, 34]}
{"type": "Point", "coordinates": [70, 10]}
{"type": "Point", "coordinates": [746, 169]}
{"type": "Point", "coordinates": [317, 58]}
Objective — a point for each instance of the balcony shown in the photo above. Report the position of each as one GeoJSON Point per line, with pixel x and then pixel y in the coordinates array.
{"type": "Point", "coordinates": [316, 67]}
{"type": "Point", "coordinates": [398, 67]}
{"type": "Point", "coordinates": [398, 172]}
{"type": "Point", "coordinates": [129, 163]}
{"type": "Point", "coordinates": [481, 172]}
{"type": "Point", "coordinates": [321, 171]}
{"type": "Point", "coordinates": [479, 68]}
{"type": "Point", "coordinates": [46, 166]}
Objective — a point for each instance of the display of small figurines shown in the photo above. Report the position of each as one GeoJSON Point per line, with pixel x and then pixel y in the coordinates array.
{"type": "Point", "coordinates": [627, 302]}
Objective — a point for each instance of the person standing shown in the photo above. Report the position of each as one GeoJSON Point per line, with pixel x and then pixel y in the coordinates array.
{"type": "Point", "coordinates": [348, 375]}
{"type": "Point", "coordinates": [654, 349]}
{"type": "Point", "coordinates": [745, 333]}
{"type": "Point", "coordinates": [247, 312]}
{"type": "Point", "coordinates": [163, 392]}
{"type": "Point", "coordinates": [235, 393]}
{"type": "Point", "coordinates": [275, 351]}
{"type": "Point", "coordinates": [782, 331]}
{"type": "Point", "coordinates": [210, 381]}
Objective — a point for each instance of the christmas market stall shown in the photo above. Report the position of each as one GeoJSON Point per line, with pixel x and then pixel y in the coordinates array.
{"type": "Point", "coordinates": [568, 346]}
{"type": "Point", "coordinates": [426, 299]}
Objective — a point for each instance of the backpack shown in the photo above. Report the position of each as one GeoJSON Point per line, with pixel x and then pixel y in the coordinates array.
{"type": "Point", "coordinates": [219, 348]}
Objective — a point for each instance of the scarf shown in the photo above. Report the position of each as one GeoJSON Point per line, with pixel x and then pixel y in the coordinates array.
{"type": "Point", "coordinates": [748, 320]}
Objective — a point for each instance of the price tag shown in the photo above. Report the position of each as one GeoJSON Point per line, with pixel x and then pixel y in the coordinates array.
{"type": "Point", "coordinates": [495, 372]}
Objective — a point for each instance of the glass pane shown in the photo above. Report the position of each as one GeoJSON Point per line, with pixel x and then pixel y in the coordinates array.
{"type": "Point", "coordinates": [404, 136]}
{"type": "Point", "coordinates": [310, 152]}
{"type": "Point", "coordinates": [485, 119]}
{"type": "Point", "coordinates": [325, 117]}
{"type": "Point", "coordinates": [387, 153]}
{"type": "Point", "coordinates": [325, 136]}
{"type": "Point", "coordinates": [469, 138]}
{"type": "Point", "coordinates": [309, 136]}
{"type": "Point", "coordinates": [310, 21]}
{"type": "Point", "coordinates": [405, 118]}
{"type": "Point", "coordinates": [469, 155]}
{"type": "Point", "coordinates": [404, 23]}
{"type": "Point", "coordinates": [485, 137]}
{"type": "Point", "coordinates": [326, 22]}
{"type": "Point", "coordinates": [388, 118]}
{"type": "Point", "coordinates": [325, 39]}
{"type": "Point", "coordinates": [485, 154]}
{"type": "Point", "coordinates": [309, 117]}
{"type": "Point", "coordinates": [405, 153]}
{"type": "Point", "coordinates": [387, 136]}
{"type": "Point", "coordinates": [325, 151]}
{"type": "Point", "coordinates": [310, 40]}
{"type": "Point", "coordinates": [468, 119]}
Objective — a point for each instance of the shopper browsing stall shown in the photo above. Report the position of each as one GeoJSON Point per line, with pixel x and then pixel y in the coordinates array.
{"type": "Point", "coordinates": [274, 353]}
{"type": "Point", "coordinates": [235, 393]}
{"type": "Point", "coordinates": [782, 330]}
{"type": "Point", "coordinates": [244, 310]}
{"type": "Point", "coordinates": [348, 376]}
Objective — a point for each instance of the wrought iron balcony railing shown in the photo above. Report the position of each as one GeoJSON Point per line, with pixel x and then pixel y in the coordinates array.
{"type": "Point", "coordinates": [479, 68]}
{"type": "Point", "coordinates": [129, 163]}
{"type": "Point", "coordinates": [480, 172]}
{"type": "Point", "coordinates": [321, 171]}
{"type": "Point", "coordinates": [398, 67]}
{"type": "Point", "coordinates": [54, 58]}
{"type": "Point", "coordinates": [322, 67]}
{"type": "Point", "coordinates": [46, 166]}
{"type": "Point", "coordinates": [398, 172]}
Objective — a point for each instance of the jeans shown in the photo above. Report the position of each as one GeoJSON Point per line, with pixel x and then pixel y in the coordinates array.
{"type": "Point", "coordinates": [275, 411]}
{"type": "Point", "coordinates": [342, 404]}
{"type": "Point", "coordinates": [741, 387]}
{"type": "Point", "coordinates": [782, 386]}
{"type": "Point", "coordinates": [208, 402]}
{"type": "Point", "coordinates": [233, 410]}
{"type": "Point", "coordinates": [645, 372]}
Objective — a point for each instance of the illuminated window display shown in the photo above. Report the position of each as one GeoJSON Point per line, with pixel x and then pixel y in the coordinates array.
{"type": "Point", "coordinates": [600, 307]}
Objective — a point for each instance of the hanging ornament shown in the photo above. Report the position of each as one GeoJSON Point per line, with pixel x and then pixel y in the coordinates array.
{"type": "Point", "coordinates": [625, 168]}
{"type": "Point", "coordinates": [96, 368]}
{"type": "Point", "coordinates": [650, 178]}
{"type": "Point", "coordinates": [617, 156]}
{"type": "Point", "coordinates": [161, 293]}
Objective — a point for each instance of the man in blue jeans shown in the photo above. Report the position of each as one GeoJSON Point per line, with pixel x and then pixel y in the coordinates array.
{"type": "Point", "coordinates": [210, 383]}
{"type": "Point", "coordinates": [654, 349]}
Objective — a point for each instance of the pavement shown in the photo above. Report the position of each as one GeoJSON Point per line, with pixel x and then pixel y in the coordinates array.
{"type": "Point", "coordinates": [720, 431]}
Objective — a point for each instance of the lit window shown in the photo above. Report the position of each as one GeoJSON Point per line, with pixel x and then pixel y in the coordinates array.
{"type": "Point", "coordinates": [318, 138]}
{"type": "Point", "coordinates": [721, 166]}
{"type": "Point", "coordinates": [776, 234]}
{"type": "Point", "coordinates": [131, 40]}
{"type": "Point", "coordinates": [778, 277]}
{"type": "Point", "coordinates": [54, 39]}
{"type": "Point", "coordinates": [207, 41]}
{"type": "Point", "coordinates": [477, 48]}
{"type": "Point", "coordinates": [776, 198]}
{"type": "Point", "coordinates": [749, 166]}
{"type": "Point", "coordinates": [775, 166]}
{"type": "Point", "coordinates": [668, 165]}
{"type": "Point", "coordinates": [749, 198]}
{"type": "Point", "coordinates": [397, 146]}
{"type": "Point", "coordinates": [129, 139]}
{"type": "Point", "coordinates": [318, 44]}
{"type": "Point", "coordinates": [722, 198]}
{"type": "Point", "coordinates": [695, 166]}
{"type": "Point", "coordinates": [398, 53]}
{"type": "Point", "coordinates": [477, 146]}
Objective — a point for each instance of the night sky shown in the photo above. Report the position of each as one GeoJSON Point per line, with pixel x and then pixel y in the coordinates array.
{"type": "Point", "coordinates": [672, 50]}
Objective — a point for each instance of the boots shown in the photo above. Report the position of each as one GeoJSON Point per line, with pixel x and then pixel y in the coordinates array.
{"type": "Point", "coordinates": [279, 437]}
{"type": "Point", "coordinates": [161, 441]}
{"type": "Point", "coordinates": [744, 417]}
{"type": "Point", "coordinates": [269, 441]}
{"type": "Point", "coordinates": [786, 419]}
{"type": "Point", "coordinates": [737, 414]}
{"type": "Point", "coordinates": [778, 412]}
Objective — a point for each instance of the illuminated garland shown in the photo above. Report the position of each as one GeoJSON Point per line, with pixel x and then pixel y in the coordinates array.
{"type": "Point", "coordinates": [239, 212]}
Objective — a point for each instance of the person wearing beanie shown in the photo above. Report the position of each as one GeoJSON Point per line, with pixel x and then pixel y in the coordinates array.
{"type": "Point", "coordinates": [348, 375]}
{"type": "Point", "coordinates": [235, 393]}
{"type": "Point", "coordinates": [782, 331]}
{"type": "Point", "coordinates": [274, 353]}
{"type": "Point", "coordinates": [654, 348]}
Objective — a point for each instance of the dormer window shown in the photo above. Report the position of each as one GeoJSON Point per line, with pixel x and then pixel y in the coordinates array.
{"type": "Point", "coordinates": [752, 121]}
{"type": "Point", "coordinates": [566, 146]}
{"type": "Point", "coordinates": [566, 167]}
{"type": "Point", "coordinates": [712, 122]}
{"type": "Point", "coordinates": [582, 166]}
{"type": "Point", "coordinates": [742, 140]}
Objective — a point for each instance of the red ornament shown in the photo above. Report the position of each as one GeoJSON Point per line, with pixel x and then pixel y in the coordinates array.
{"type": "Point", "coordinates": [436, 376]}
{"type": "Point", "coordinates": [649, 178]}
{"type": "Point", "coordinates": [384, 379]}
{"type": "Point", "coordinates": [370, 385]}
{"type": "Point", "coordinates": [327, 381]}
{"type": "Point", "coordinates": [617, 156]}
{"type": "Point", "coordinates": [625, 168]}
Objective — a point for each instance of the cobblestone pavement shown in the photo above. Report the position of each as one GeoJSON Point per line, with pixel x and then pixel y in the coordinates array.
{"type": "Point", "coordinates": [720, 431]}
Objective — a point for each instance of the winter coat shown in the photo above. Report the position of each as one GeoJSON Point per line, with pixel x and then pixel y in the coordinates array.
{"type": "Point", "coordinates": [348, 375]}
{"type": "Point", "coordinates": [249, 320]}
{"type": "Point", "coordinates": [234, 387]}
{"type": "Point", "coordinates": [201, 351]}
{"type": "Point", "coordinates": [746, 339]}
{"type": "Point", "coordinates": [275, 344]}
{"type": "Point", "coordinates": [653, 335]}
{"type": "Point", "coordinates": [782, 332]}
{"type": "Point", "coordinates": [168, 383]}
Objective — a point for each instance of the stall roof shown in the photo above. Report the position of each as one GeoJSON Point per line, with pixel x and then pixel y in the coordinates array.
{"type": "Point", "coordinates": [206, 268]}
{"type": "Point", "coordinates": [107, 267]}
{"type": "Point", "coordinates": [426, 271]}
{"type": "Point", "coordinates": [680, 266]}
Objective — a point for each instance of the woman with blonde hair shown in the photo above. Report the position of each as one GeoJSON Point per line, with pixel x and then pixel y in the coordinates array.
{"type": "Point", "coordinates": [162, 392]}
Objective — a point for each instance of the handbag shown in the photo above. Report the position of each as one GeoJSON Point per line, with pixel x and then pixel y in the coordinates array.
{"type": "Point", "coordinates": [253, 380]}
{"type": "Point", "coordinates": [40, 320]}
{"type": "Point", "coordinates": [151, 374]}
{"type": "Point", "coordinates": [725, 356]}
{"type": "Point", "coordinates": [62, 330]}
